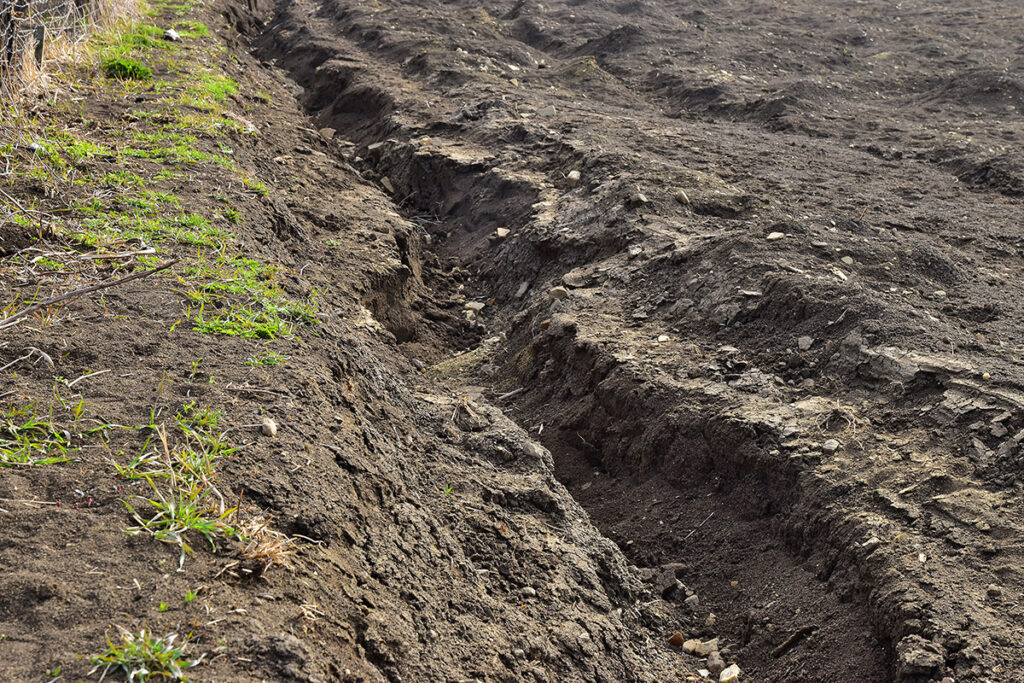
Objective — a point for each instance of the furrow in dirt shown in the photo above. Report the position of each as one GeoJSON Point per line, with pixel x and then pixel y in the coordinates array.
{"type": "Point", "coordinates": [752, 331]}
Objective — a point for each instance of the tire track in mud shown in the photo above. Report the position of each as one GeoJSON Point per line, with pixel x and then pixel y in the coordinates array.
{"type": "Point", "coordinates": [775, 544]}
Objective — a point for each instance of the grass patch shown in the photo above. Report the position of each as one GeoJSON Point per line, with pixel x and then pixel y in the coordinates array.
{"type": "Point", "coordinates": [126, 69]}
{"type": "Point", "coordinates": [143, 656]}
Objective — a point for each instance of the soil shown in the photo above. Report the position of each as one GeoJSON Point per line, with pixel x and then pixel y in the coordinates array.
{"type": "Point", "coordinates": [749, 272]}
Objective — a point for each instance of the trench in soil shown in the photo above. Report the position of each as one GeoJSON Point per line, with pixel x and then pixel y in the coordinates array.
{"type": "Point", "coordinates": [679, 490]}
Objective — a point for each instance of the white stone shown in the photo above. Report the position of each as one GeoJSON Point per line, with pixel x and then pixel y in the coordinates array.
{"type": "Point", "coordinates": [731, 674]}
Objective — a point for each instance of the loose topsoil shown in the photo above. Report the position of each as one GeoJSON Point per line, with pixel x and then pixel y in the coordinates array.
{"type": "Point", "coordinates": [631, 318]}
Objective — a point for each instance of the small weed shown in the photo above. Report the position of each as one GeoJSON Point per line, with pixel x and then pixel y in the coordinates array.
{"type": "Point", "coordinates": [25, 439]}
{"type": "Point", "coordinates": [191, 29]}
{"type": "Point", "coordinates": [191, 595]}
{"type": "Point", "coordinates": [188, 506]}
{"type": "Point", "coordinates": [267, 357]}
{"type": "Point", "coordinates": [143, 656]}
{"type": "Point", "coordinates": [255, 185]}
{"type": "Point", "coordinates": [162, 607]}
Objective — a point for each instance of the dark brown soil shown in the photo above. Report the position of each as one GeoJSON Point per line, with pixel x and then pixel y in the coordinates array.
{"type": "Point", "coordinates": [769, 338]}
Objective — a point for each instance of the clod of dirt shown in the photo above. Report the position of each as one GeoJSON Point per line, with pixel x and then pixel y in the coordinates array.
{"type": "Point", "coordinates": [676, 640]}
{"type": "Point", "coordinates": [269, 427]}
{"type": "Point", "coordinates": [558, 293]}
{"type": "Point", "coordinates": [715, 663]}
{"type": "Point", "coordinates": [573, 179]}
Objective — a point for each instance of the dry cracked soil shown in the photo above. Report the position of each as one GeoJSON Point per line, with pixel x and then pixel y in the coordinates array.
{"type": "Point", "coordinates": [643, 327]}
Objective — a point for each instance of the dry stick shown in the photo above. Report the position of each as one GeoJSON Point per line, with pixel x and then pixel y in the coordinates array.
{"type": "Point", "coordinates": [791, 642]}
{"type": "Point", "coordinates": [88, 374]}
{"type": "Point", "coordinates": [7, 322]}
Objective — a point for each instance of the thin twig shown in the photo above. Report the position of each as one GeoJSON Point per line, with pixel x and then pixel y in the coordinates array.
{"type": "Point", "coordinates": [88, 374]}
{"type": "Point", "coordinates": [510, 394]}
{"type": "Point", "coordinates": [699, 526]}
{"type": "Point", "coordinates": [7, 322]}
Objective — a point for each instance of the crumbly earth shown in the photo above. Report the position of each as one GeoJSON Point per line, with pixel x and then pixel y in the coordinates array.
{"type": "Point", "coordinates": [748, 271]}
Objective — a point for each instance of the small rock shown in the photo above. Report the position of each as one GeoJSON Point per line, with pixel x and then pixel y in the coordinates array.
{"type": "Point", "coordinates": [677, 640]}
{"type": "Point", "coordinates": [993, 591]}
{"type": "Point", "coordinates": [547, 111]}
{"type": "Point", "coordinates": [750, 292]}
{"type": "Point", "coordinates": [662, 338]}
{"type": "Point", "coordinates": [386, 182]}
{"type": "Point", "coordinates": [475, 306]}
{"type": "Point", "coordinates": [523, 286]}
{"type": "Point", "coordinates": [707, 647]}
{"type": "Point", "coordinates": [772, 236]}
{"type": "Point", "coordinates": [573, 179]}
{"type": "Point", "coordinates": [418, 364]}
{"type": "Point", "coordinates": [577, 277]}
{"type": "Point", "coordinates": [704, 673]}
{"type": "Point", "coordinates": [716, 664]}
{"type": "Point", "coordinates": [529, 592]}
{"type": "Point", "coordinates": [805, 343]}
{"type": "Point", "coordinates": [848, 260]}
{"type": "Point", "coordinates": [269, 427]}
{"type": "Point", "coordinates": [692, 601]}
{"type": "Point", "coordinates": [502, 233]}
{"type": "Point", "coordinates": [729, 675]}
{"type": "Point", "coordinates": [558, 293]}
{"type": "Point", "coordinates": [691, 645]}
{"type": "Point", "coordinates": [939, 294]}
{"type": "Point", "coordinates": [327, 133]}
{"type": "Point", "coordinates": [172, 35]}
{"type": "Point", "coordinates": [986, 376]}
{"type": "Point", "coordinates": [682, 197]}
{"type": "Point", "coordinates": [374, 145]}
{"type": "Point", "coordinates": [635, 250]}
{"type": "Point", "coordinates": [871, 544]}
{"type": "Point", "coordinates": [638, 198]}
{"type": "Point", "coordinates": [545, 324]}
{"type": "Point", "coordinates": [830, 446]}
{"type": "Point", "coordinates": [535, 451]}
